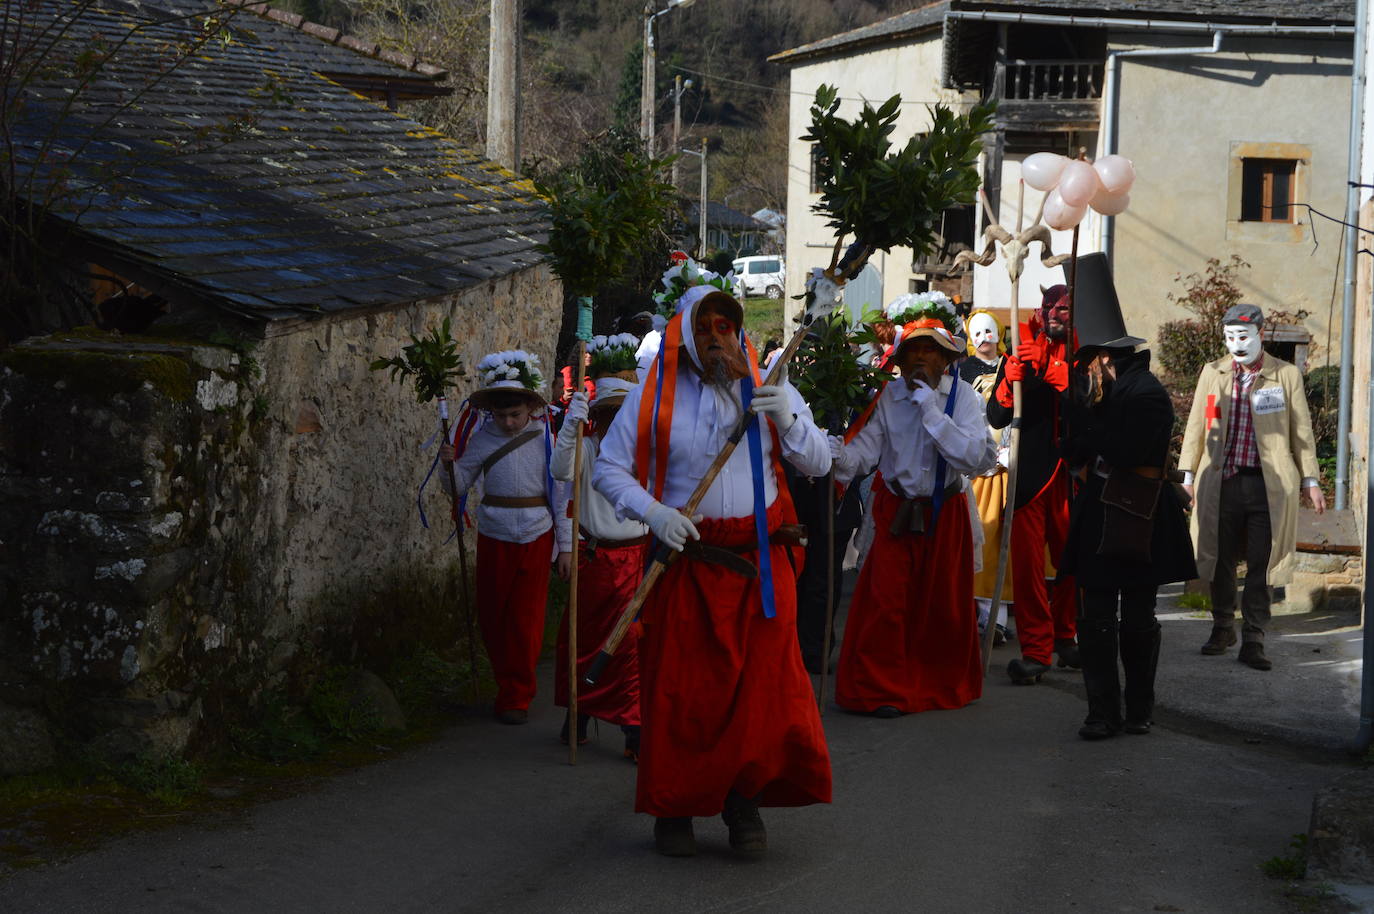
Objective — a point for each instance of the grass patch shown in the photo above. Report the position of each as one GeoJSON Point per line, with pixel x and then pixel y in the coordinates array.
{"type": "Point", "coordinates": [1194, 601]}
{"type": "Point", "coordinates": [763, 320]}
{"type": "Point", "coordinates": [1288, 868]}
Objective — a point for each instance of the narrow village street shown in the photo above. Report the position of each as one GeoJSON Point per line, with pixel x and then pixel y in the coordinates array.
{"type": "Point", "coordinates": [999, 807]}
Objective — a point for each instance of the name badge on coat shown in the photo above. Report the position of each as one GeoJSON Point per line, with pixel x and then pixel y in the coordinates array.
{"type": "Point", "coordinates": [1268, 400]}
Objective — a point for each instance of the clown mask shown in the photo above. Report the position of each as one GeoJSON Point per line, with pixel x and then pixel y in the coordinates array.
{"type": "Point", "coordinates": [983, 335]}
{"type": "Point", "coordinates": [1243, 342]}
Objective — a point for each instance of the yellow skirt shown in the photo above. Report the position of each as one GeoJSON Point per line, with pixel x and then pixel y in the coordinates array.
{"type": "Point", "coordinates": [991, 494]}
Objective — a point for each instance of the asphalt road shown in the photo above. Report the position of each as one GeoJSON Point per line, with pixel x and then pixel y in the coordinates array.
{"type": "Point", "coordinates": [998, 807]}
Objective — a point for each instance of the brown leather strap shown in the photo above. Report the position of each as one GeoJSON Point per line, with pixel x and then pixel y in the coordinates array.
{"type": "Point", "coordinates": [591, 543]}
{"type": "Point", "coordinates": [515, 501]}
{"type": "Point", "coordinates": [495, 456]}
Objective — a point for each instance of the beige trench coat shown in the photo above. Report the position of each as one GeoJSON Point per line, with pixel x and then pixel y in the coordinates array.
{"type": "Point", "coordinates": [1288, 454]}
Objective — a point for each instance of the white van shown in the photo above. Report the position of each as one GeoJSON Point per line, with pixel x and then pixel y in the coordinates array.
{"type": "Point", "coordinates": [759, 276]}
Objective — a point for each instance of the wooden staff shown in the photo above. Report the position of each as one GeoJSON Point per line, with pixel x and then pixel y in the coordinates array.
{"type": "Point", "coordinates": [854, 259]}
{"type": "Point", "coordinates": [572, 573]}
{"type": "Point", "coordinates": [829, 584]}
{"type": "Point", "coordinates": [1004, 546]}
{"type": "Point", "coordinates": [462, 556]}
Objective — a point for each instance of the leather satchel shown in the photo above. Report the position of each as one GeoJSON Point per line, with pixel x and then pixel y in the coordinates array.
{"type": "Point", "coordinates": [1129, 501]}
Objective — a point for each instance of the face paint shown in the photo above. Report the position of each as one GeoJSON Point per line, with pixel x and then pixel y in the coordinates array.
{"type": "Point", "coordinates": [1056, 319]}
{"type": "Point", "coordinates": [982, 330]}
{"type": "Point", "coordinates": [1242, 342]}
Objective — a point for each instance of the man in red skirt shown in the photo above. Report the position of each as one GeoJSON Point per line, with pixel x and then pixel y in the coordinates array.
{"type": "Point", "coordinates": [729, 719]}
{"type": "Point", "coordinates": [911, 638]}
{"type": "Point", "coordinates": [522, 520]}
{"type": "Point", "coordinates": [610, 565]}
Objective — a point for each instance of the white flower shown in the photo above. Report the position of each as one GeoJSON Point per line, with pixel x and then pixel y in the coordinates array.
{"type": "Point", "coordinates": [512, 373]}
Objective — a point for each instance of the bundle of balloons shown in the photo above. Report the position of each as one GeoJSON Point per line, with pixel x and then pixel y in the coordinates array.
{"type": "Point", "coordinates": [1074, 185]}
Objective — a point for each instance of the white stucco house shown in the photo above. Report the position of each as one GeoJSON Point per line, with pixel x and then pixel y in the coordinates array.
{"type": "Point", "coordinates": [1234, 113]}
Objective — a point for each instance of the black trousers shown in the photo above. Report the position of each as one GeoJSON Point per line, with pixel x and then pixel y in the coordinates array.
{"type": "Point", "coordinates": [1135, 638]}
{"type": "Point", "coordinates": [1243, 531]}
{"type": "Point", "coordinates": [1135, 606]}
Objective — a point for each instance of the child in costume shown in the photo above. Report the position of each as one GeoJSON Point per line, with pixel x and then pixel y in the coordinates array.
{"type": "Point", "coordinates": [504, 442]}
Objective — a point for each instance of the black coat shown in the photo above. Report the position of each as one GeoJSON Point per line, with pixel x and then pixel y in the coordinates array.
{"type": "Point", "coordinates": [1037, 454]}
{"type": "Point", "coordinates": [1130, 427]}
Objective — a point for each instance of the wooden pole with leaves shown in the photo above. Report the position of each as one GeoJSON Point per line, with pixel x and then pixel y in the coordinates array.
{"type": "Point", "coordinates": [880, 197]}
{"type": "Point", "coordinates": [433, 363]}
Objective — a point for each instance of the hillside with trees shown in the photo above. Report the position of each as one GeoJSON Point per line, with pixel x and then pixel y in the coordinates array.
{"type": "Point", "coordinates": [581, 63]}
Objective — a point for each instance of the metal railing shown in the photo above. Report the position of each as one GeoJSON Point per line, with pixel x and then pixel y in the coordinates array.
{"type": "Point", "coordinates": [1053, 80]}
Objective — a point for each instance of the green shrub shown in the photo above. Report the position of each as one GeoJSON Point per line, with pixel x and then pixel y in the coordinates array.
{"type": "Point", "coordinates": [169, 780]}
{"type": "Point", "coordinates": [1288, 868]}
{"type": "Point", "coordinates": [336, 709]}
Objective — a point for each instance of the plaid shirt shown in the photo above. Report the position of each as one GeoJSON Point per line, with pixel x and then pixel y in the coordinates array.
{"type": "Point", "coordinates": [1241, 448]}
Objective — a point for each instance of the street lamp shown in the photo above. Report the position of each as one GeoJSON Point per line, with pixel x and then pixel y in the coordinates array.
{"type": "Point", "coordinates": [701, 243]}
{"type": "Point", "coordinates": [678, 85]}
{"type": "Point", "coordinates": [646, 91]}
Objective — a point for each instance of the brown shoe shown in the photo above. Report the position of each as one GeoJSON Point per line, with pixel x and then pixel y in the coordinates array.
{"type": "Point", "coordinates": [1221, 639]}
{"type": "Point", "coordinates": [673, 837]}
{"type": "Point", "coordinates": [747, 834]}
{"type": "Point", "coordinates": [1252, 655]}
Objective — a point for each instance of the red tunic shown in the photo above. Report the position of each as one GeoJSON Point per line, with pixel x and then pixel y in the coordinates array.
{"type": "Point", "coordinates": [606, 582]}
{"type": "Point", "coordinates": [725, 701]}
{"type": "Point", "coordinates": [911, 638]}
{"type": "Point", "coordinates": [512, 590]}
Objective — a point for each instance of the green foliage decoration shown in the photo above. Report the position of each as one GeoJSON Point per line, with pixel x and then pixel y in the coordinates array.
{"type": "Point", "coordinates": [828, 373]}
{"type": "Point", "coordinates": [432, 361]}
{"type": "Point", "coordinates": [612, 354]}
{"type": "Point", "coordinates": [886, 198]}
{"type": "Point", "coordinates": [598, 218]}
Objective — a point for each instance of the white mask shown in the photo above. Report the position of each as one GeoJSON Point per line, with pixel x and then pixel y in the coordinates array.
{"type": "Point", "coordinates": [1242, 342]}
{"type": "Point", "coordinates": [983, 334]}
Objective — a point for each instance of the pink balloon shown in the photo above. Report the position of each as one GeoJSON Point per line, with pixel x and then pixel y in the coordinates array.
{"type": "Point", "coordinates": [1116, 172]}
{"type": "Point", "coordinates": [1110, 204]}
{"type": "Point", "coordinates": [1078, 183]}
{"type": "Point", "coordinates": [1059, 215]}
{"type": "Point", "coordinates": [1042, 169]}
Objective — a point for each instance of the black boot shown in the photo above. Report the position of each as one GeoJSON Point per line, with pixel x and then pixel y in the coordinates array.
{"type": "Point", "coordinates": [1139, 658]}
{"type": "Point", "coordinates": [1097, 649]}
{"type": "Point", "coordinates": [747, 834]}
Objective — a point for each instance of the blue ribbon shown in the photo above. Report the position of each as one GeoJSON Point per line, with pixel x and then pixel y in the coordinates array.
{"type": "Point", "coordinates": [937, 498]}
{"type": "Point", "coordinates": [755, 437]}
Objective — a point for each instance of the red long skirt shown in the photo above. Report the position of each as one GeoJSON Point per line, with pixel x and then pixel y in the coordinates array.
{"type": "Point", "coordinates": [606, 582]}
{"type": "Point", "coordinates": [725, 701]}
{"type": "Point", "coordinates": [512, 591]}
{"type": "Point", "coordinates": [911, 638]}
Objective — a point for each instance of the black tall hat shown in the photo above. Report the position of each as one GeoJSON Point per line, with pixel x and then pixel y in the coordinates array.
{"type": "Point", "coordinates": [1096, 311]}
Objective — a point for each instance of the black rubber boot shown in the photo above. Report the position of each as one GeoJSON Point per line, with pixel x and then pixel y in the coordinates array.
{"type": "Point", "coordinates": [1139, 658]}
{"type": "Point", "coordinates": [1097, 650]}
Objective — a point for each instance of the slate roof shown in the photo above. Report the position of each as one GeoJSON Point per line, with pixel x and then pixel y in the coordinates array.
{"type": "Point", "coordinates": [1320, 12]}
{"type": "Point", "coordinates": [718, 215]}
{"type": "Point", "coordinates": [244, 178]}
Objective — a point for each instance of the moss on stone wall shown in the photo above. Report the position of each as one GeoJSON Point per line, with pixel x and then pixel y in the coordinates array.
{"type": "Point", "coordinates": [104, 373]}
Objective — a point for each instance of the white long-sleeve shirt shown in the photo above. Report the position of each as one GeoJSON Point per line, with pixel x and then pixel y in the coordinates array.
{"type": "Point", "coordinates": [596, 515]}
{"type": "Point", "coordinates": [902, 439]}
{"type": "Point", "coordinates": [519, 474]}
{"type": "Point", "coordinates": [703, 418]}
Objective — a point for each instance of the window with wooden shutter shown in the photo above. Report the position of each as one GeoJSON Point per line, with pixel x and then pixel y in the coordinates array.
{"type": "Point", "coordinates": [1267, 190]}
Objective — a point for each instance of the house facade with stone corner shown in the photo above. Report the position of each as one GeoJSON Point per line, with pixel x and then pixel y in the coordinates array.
{"type": "Point", "coordinates": [221, 500]}
{"type": "Point", "coordinates": [1222, 142]}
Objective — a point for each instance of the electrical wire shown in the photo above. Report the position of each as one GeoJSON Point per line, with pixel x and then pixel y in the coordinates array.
{"type": "Point", "coordinates": [762, 87]}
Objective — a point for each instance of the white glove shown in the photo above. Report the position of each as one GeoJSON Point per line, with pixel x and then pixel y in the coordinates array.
{"type": "Point", "coordinates": [1004, 456]}
{"type": "Point", "coordinates": [577, 408]}
{"type": "Point", "coordinates": [774, 401]}
{"type": "Point", "coordinates": [670, 526]}
{"type": "Point", "coordinates": [922, 395]}
{"type": "Point", "coordinates": [843, 460]}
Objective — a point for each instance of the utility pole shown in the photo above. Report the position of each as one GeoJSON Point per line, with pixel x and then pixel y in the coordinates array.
{"type": "Point", "coordinates": [503, 84]}
{"type": "Point", "coordinates": [701, 250]}
{"type": "Point", "coordinates": [646, 82]}
{"type": "Point", "coordinates": [677, 120]}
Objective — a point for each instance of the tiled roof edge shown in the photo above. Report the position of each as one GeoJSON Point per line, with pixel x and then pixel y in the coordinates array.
{"type": "Point", "coordinates": [335, 37]}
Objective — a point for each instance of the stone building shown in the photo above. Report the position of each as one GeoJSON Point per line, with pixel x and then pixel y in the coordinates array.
{"type": "Point", "coordinates": [217, 505]}
{"type": "Point", "coordinates": [1219, 104]}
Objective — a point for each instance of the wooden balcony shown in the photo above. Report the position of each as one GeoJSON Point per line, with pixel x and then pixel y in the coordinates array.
{"type": "Point", "coordinates": [1051, 95]}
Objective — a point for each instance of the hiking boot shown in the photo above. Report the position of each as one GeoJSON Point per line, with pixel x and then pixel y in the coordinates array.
{"type": "Point", "coordinates": [1025, 671]}
{"type": "Point", "coordinates": [582, 721]}
{"type": "Point", "coordinates": [513, 716]}
{"type": "Point", "coordinates": [1252, 655]}
{"type": "Point", "coordinates": [1221, 639]}
{"type": "Point", "coordinates": [673, 837]}
{"type": "Point", "coordinates": [747, 834]}
{"type": "Point", "coordinates": [1067, 649]}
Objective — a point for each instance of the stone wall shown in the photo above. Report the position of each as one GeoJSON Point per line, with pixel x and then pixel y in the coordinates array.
{"type": "Point", "coordinates": [187, 525]}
